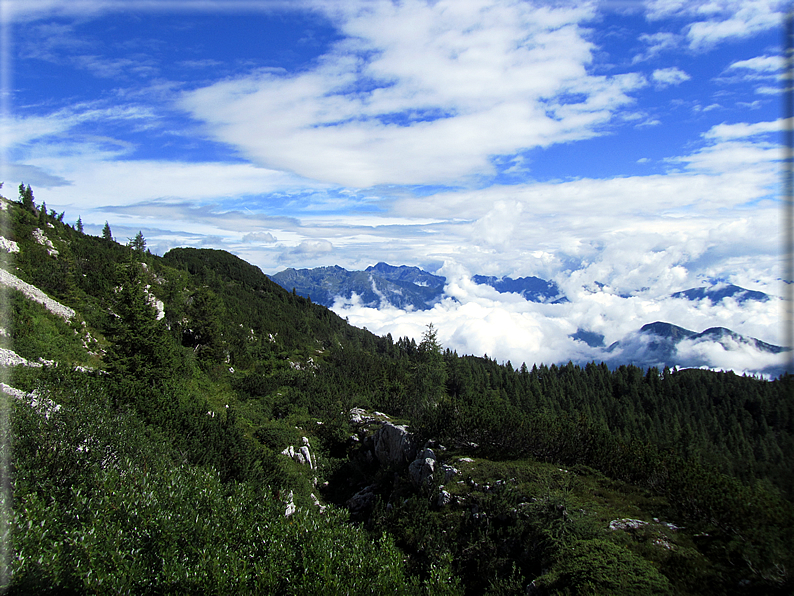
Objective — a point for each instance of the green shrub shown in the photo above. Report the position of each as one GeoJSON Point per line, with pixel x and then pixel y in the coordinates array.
{"type": "Point", "coordinates": [601, 567]}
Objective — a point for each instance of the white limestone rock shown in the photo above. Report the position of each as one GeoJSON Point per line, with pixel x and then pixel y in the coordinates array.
{"type": "Point", "coordinates": [393, 445]}
{"type": "Point", "coordinates": [421, 471]}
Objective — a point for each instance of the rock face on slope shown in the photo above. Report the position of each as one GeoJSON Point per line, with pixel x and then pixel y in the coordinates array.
{"type": "Point", "coordinates": [393, 445]}
{"type": "Point", "coordinates": [422, 468]}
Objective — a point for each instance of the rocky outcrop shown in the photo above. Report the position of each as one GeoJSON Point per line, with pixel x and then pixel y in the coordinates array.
{"type": "Point", "coordinates": [393, 445]}
{"type": "Point", "coordinates": [301, 455]}
{"type": "Point", "coordinates": [290, 505]}
{"type": "Point", "coordinates": [8, 246]}
{"type": "Point", "coordinates": [33, 293]}
{"type": "Point", "coordinates": [362, 501]}
{"type": "Point", "coordinates": [627, 524]}
{"type": "Point", "coordinates": [39, 237]}
{"type": "Point", "coordinates": [444, 498]}
{"type": "Point", "coordinates": [422, 468]}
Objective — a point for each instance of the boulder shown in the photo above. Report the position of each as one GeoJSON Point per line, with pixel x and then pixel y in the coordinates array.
{"type": "Point", "coordinates": [304, 451]}
{"type": "Point", "coordinates": [421, 471]}
{"type": "Point", "coordinates": [444, 498]}
{"type": "Point", "coordinates": [393, 444]}
{"type": "Point", "coordinates": [362, 500]}
{"type": "Point", "coordinates": [627, 524]}
{"type": "Point", "coordinates": [290, 505]}
{"type": "Point", "coordinates": [449, 472]}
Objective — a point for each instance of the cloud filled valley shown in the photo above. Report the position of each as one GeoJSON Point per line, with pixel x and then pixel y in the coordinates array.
{"type": "Point", "coordinates": [476, 319]}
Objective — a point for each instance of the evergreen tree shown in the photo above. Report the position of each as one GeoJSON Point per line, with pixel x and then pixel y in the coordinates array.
{"type": "Point", "coordinates": [26, 197]}
{"type": "Point", "coordinates": [138, 243]}
{"type": "Point", "coordinates": [106, 234]}
{"type": "Point", "coordinates": [79, 225]}
{"type": "Point", "coordinates": [142, 350]}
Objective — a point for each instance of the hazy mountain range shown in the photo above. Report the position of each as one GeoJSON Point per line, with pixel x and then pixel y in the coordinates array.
{"type": "Point", "coordinates": [654, 344]}
{"type": "Point", "coordinates": [403, 287]}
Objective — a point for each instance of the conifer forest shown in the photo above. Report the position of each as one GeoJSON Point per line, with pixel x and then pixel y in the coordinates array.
{"type": "Point", "coordinates": [181, 424]}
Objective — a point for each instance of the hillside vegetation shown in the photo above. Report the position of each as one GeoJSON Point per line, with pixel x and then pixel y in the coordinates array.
{"type": "Point", "coordinates": [195, 428]}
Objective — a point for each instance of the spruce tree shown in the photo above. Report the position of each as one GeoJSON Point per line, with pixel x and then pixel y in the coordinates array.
{"type": "Point", "coordinates": [26, 197]}
{"type": "Point", "coordinates": [79, 225]}
{"type": "Point", "coordinates": [141, 353]}
{"type": "Point", "coordinates": [138, 243]}
{"type": "Point", "coordinates": [106, 234]}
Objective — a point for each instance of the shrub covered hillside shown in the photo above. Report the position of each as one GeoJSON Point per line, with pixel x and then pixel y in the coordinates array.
{"type": "Point", "coordinates": [181, 424]}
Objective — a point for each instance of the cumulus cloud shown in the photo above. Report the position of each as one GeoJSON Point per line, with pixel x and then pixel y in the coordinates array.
{"type": "Point", "coordinates": [306, 251]}
{"type": "Point", "coordinates": [475, 319]}
{"type": "Point", "coordinates": [421, 92]}
{"type": "Point", "coordinates": [664, 77]}
{"type": "Point", "coordinates": [263, 237]}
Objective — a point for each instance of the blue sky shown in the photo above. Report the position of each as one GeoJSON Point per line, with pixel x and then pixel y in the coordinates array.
{"type": "Point", "coordinates": [633, 144]}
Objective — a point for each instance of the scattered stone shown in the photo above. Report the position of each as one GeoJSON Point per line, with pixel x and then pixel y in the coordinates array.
{"type": "Point", "coordinates": [466, 460]}
{"type": "Point", "coordinates": [8, 246]}
{"type": "Point", "coordinates": [444, 498]}
{"type": "Point", "coordinates": [627, 524]}
{"type": "Point", "coordinates": [11, 358]}
{"type": "Point", "coordinates": [39, 237]}
{"type": "Point", "coordinates": [317, 503]}
{"type": "Point", "coordinates": [662, 543]}
{"type": "Point", "coordinates": [290, 508]}
{"type": "Point", "coordinates": [449, 472]}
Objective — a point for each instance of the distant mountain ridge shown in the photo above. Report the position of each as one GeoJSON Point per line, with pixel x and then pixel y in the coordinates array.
{"type": "Point", "coordinates": [531, 288]}
{"type": "Point", "coordinates": [717, 293]}
{"type": "Point", "coordinates": [661, 344]}
{"type": "Point", "coordinates": [404, 287]}
{"type": "Point", "coordinates": [401, 286]}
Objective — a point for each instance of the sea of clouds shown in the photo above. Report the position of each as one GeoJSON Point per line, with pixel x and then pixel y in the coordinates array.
{"type": "Point", "coordinates": [476, 319]}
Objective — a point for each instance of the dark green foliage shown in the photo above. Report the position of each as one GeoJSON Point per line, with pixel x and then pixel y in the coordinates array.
{"type": "Point", "coordinates": [239, 368]}
{"type": "Point", "coordinates": [26, 197]}
{"type": "Point", "coordinates": [138, 243]}
{"type": "Point", "coordinates": [601, 567]}
{"type": "Point", "coordinates": [106, 233]}
{"type": "Point", "coordinates": [101, 504]}
{"type": "Point", "coordinates": [141, 354]}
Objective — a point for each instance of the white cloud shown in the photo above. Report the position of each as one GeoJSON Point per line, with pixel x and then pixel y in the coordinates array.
{"type": "Point", "coordinates": [657, 43]}
{"type": "Point", "coordinates": [665, 77]}
{"type": "Point", "coordinates": [421, 92]}
{"type": "Point", "coordinates": [263, 237]}
{"type": "Point", "coordinates": [741, 130]}
{"type": "Point", "coordinates": [760, 64]}
{"type": "Point", "coordinates": [477, 320]}
{"type": "Point", "coordinates": [307, 251]}
{"type": "Point", "coordinates": [715, 21]}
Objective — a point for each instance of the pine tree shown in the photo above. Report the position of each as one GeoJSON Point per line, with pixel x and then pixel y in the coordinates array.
{"type": "Point", "coordinates": [79, 225]}
{"type": "Point", "coordinates": [106, 234]}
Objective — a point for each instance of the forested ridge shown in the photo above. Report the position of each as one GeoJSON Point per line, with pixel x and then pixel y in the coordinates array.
{"type": "Point", "coordinates": [149, 458]}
